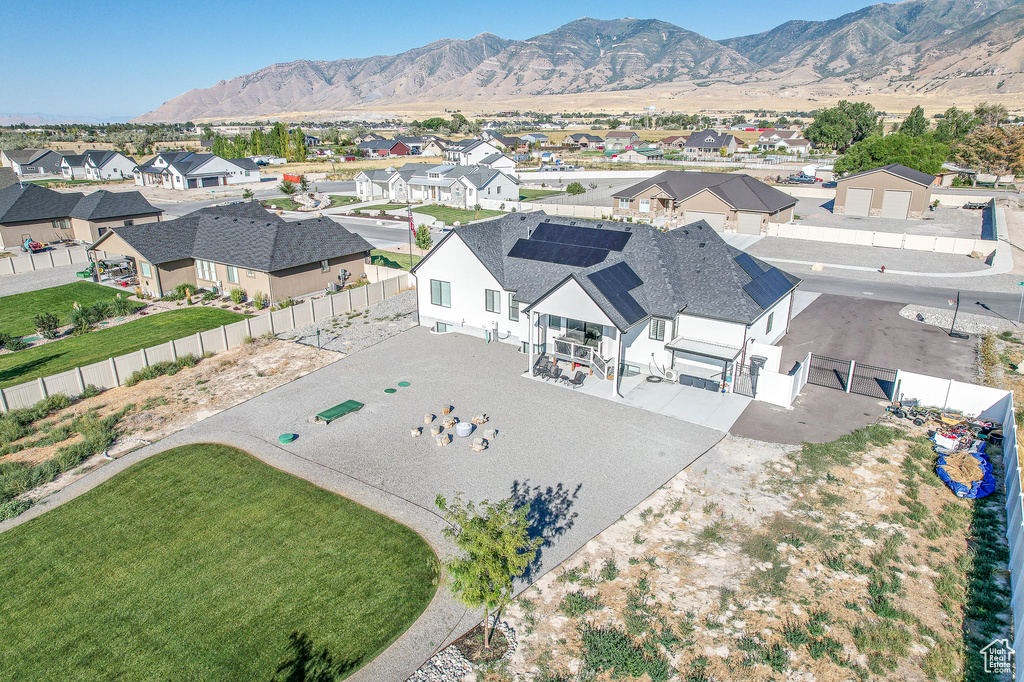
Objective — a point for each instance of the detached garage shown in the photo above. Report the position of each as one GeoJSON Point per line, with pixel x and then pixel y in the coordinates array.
{"type": "Point", "coordinates": [892, 191]}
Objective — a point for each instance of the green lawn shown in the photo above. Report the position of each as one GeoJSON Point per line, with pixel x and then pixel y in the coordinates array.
{"type": "Point", "coordinates": [77, 351]}
{"type": "Point", "coordinates": [393, 260]}
{"type": "Point", "coordinates": [18, 312]}
{"type": "Point", "coordinates": [200, 563]}
{"type": "Point", "coordinates": [531, 194]}
{"type": "Point", "coordinates": [383, 207]}
{"type": "Point", "coordinates": [451, 215]}
{"type": "Point", "coordinates": [286, 204]}
{"type": "Point", "coordinates": [339, 200]}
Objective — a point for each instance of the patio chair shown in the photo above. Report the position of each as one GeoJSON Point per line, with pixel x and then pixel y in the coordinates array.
{"type": "Point", "coordinates": [541, 369]}
{"type": "Point", "coordinates": [555, 374]}
{"type": "Point", "coordinates": [576, 380]}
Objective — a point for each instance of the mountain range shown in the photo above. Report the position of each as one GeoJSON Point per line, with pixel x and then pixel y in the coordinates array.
{"type": "Point", "coordinates": [938, 49]}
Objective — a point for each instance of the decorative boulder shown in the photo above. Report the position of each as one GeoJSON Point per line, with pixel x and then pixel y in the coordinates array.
{"type": "Point", "coordinates": [427, 418]}
{"type": "Point", "coordinates": [416, 432]}
{"type": "Point", "coordinates": [435, 430]}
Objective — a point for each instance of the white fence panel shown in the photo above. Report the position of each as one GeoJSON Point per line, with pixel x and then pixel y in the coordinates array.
{"type": "Point", "coordinates": [282, 320]}
{"type": "Point", "coordinates": [127, 364]}
{"type": "Point", "coordinates": [373, 294]}
{"type": "Point", "coordinates": [65, 382]}
{"type": "Point", "coordinates": [358, 297]}
{"type": "Point", "coordinates": [303, 314]}
{"type": "Point", "coordinates": [161, 353]}
{"type": "Point", "coordinates": [341, 303]}
{"type": "Point", "coordinates": [213, 340]}
{"type": "Point", "coordinates": [61, 257]}
{"type": "Point", "coordinates": [23, 395]}
{"type": "Point", "coordinates": [99, 374]}
{"type": "Point", "coordinates": [186, 346]}
{"type": "Point", "coordinates": [259, 325]}
{"type": "Point", "coordinates": [322, 308]}
{"type": "Point", "coordinates": [236, 332]}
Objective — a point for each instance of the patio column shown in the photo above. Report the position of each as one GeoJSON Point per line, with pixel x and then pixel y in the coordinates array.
{"type": "Point", "coordinates": [615, 363]}
{"type": "Point", "coordinates": [529, 338]}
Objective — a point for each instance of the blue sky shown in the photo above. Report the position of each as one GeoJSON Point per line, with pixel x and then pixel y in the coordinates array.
{"type": "Point", "coordinates": [109, 59]}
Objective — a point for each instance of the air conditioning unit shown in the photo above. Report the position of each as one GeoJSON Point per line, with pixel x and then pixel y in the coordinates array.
{"type": "Point", "coordinates": [671, 375]}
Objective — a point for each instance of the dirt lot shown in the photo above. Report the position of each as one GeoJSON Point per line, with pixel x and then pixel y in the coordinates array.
{"type": "Point", "coordinates": [836, 562]}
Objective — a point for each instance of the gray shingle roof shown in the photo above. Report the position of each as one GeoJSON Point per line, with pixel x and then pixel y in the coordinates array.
{"type": "Point", "coordinates": [244, 235]}
{"type": "Point", "coordinates": [700, 140]}
{"type": "Point", "coordinates": [901, 171]}
{"type": "Point", "coordinates": [379, 144]}
{"type": "Point", "coordinates": [31, 203]}
{"type": "Point", "coordinates": [25, 156]}
{"type": "Point", "coordinates": [104, 205]}
{"type": "Point", "coordinates": [689, 269]}
{"type": "Point", "coordinates": [742, 192]}
{"type": "Point", "coordinates": [7, 178]}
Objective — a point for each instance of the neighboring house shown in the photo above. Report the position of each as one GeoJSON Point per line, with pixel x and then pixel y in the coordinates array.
{"type": "Point", "coordinates": [619, 140]}
{"type": "Point", "coordinates": [709, 143]}
{"type": "Point", "coordinates": [498, 162]}
{"type": "Point", "coordinates": [584, 141]}
{"type": "Point", "coordinates": [382, 149]}
{"type": "Point", "coordinates": [645, 155]}
{"type": "Point", "coordinates": [72, 166]}
{"type": "Point", "coordinates": [108, 166]}
{"type": "Point", "coordinates": [43, 215]}
{"type": "Point", "coordinates": [189, 170]}
{"type": "Point", "coordinates": [892, 191]}
{"type": "Point", "coordinates": [534, 138]}
{"type": "Point", "coordinates": [471, 154]}
{"type": "Point", "coordinates": [368, 137]}
{"type": "Point", "coordinates": [449, 185]}
{"type": "Point", "coordinates": [7, 178]}
{"type": "Point", "coordinates": [414, 144]}
{"type": "Point", "coordinates": [312, 141]}
{"type": "Point", "coordinates": [435, 147]}
{"type": "Point", "coordinates": [32, 161]}
{"type": "Point", "coordinates": [505, 143]}
{"type": "Point", "coordinates": [727, 202]}
{"type": "Point", "coordinates": [268, 160]}
{"type": "Point", "coordinates": [240, 246]}
{"type": "Point", "coordinates": [784, 140]}
{"type": "Point", "coordinates": [673, 142]}
{"type": "Point", "coordinates": [607, 295]}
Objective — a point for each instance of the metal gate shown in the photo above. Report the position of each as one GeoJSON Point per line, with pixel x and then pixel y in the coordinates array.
{"type": "Point", "coordinates": [828, 372]}
{"type": "Point", "coordinates": [878, 382]}
{"type": "Point", "coordinates": [742, 382]}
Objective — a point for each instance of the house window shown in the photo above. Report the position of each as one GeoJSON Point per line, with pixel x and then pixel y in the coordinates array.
{"type": "Point", "coordinates": [442, 327]}
{"type": "Point", "coordinates": [513, 308]}
{"type": "Point", "coordinates": [325, 266]}
{"type": "Point", "coordinates": [645, 205]}
{"type": "Point", "coordinates": [768, 327]}
{"type": "Point", "coordinates": [129, 223]}
{"type": "Point", "coordinates": [205, 270]}
{"type": "Point", "coordinates": [145, 269]}
{"type": "Point", "coordinates": [233, 274]}
{"type": "Point", "coordinates": [62, 224]}
{"type": "Point", "coordinates": [250, 273]}
{"type": "Point", "coordinates": [554, 322]}
{"type": "Point", "coordinates": [623, 203]}
{"type": "Point", "coordinates": [441, 293]}
{"type": "Point", "coordinates": [492, 300]}
{"type": "Point", "coordinates": [657, 330]}
{"type": "Point", "coordinates": [499, 189]}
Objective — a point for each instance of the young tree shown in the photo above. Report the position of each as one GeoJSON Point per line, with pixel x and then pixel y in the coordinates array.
{"type": "Point", "coordinates": [303, 183]}
{"type": "Point", "coordinates": [915, 124]}
{"type": "Point", "coordinates": [287, 187]}
{"type": "Point", "coordinates": [247, 194]}
{"type": "Point", "coordinates": [496, 546]}
{"type": "Point", "coordinates": [423, 239]}
{"type": "Point", "coordinates": [575, 188]}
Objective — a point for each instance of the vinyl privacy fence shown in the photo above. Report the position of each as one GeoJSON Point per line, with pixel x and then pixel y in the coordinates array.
{"type": "Point", "coordinates": [114, 371]}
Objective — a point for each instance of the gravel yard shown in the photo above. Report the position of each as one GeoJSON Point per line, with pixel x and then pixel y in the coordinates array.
{"type": "Point", "coordinates": [942, 222]}
{"type": "Point", "coordinates": [863, 256]}
{"type": "Point", "coordinates": [39, 279]}
{"type": "Point", "coordinates": [360, 329]}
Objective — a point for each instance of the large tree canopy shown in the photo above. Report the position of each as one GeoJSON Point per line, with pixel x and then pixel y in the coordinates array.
{"type": "Point", "coordinates": [843, 125]}
{"type": "Point", "coordinates": [921, 153]}
{"type": "Point", "coordinates": [955, 124]}
{"type": "Point", "coordinates": [915, 124]}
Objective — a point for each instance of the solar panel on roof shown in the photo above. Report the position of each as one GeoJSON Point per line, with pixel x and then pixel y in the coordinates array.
{"type": "Point", "coordinates": [628, 307]}
{"type": "Point", "coordinates": [768, 288]}
{"type": "Point", "coordinates": [615, 279]}
{"type": "Point", "coordinates": [552, 252]}
{"type": "Point", "coordinates": [611, 240]}
{"type": "Point", "coordinates": [749, 266]}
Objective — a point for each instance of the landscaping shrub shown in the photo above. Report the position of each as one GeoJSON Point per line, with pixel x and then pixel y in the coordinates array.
{"type": "Point", "coordinates": [260, 300]}
{"type": "Point", "coordinates": [12, 508]}
{"type": "Point", "coordinates": [160, 369]}
{"type": "Point", "coordinates": [16, 344]}
{"type": "Point", "coordinates": [610, 649]}
{"type": "Point", "coordinates": [209, 296]}
{"type": "Point", "coordinates": [4, 339]}
{"type": "Point", "coordinates": [90, 392]}
{"type": "Point", "coordinates": [575, 188]}
{"type": "Point", "coordinates": [122, 307]}
{"type": "Point", "coordinates": [575, 604]}
{"type": "Point", "coordinates": [285, 303]}
{"type": "Point", "coordinates": [80, 319]}
{"type": "Point", "coordinates": [99, 311]}
{"type": "Point", "coordinates": [238, 295]}
{"type": "Point", "coordinates": [47, 324]}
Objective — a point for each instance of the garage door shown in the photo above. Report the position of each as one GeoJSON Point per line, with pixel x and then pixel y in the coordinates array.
{"type": "Point", "coordinates": [715, 220]}
{"type": "Point", "coordinates": [858, 201]}
{"type": "Point", "coordinates": [211, 182]}
{"type": "Point", "coordinates": [749, 223]}
{"type": "Point", "coordinates": [896, 203]}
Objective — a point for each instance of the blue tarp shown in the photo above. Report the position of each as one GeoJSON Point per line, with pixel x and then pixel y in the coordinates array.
{"type": "Point", "coordinates": [983, 488]}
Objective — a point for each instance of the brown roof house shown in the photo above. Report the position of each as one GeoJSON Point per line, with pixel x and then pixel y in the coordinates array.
{"type": "Point", "coordinates": [240, 246]}
{"type": "Point", "coordinates": [727, 202]}
{"type": "Point", "coordinates": [892, 191]}
{"type": "Point", "coordinates": [617, 140]}
{"type": "Point", "coordinates": [32, 212]}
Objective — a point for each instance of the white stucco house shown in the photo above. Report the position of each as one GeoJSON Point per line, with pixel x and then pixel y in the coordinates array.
{"type": "Point", "coordinates": [610, 297]}
{"type": "Point", "coordinates": [457, 186]}
{"type": "Point", "coordinates": [100, 165]}
{"type": "Point", "coordinates": [188, 170]}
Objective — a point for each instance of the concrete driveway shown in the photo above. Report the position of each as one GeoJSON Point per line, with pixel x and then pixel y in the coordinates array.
{"type": "Point", "coordinates": [870, 332]}
{"type": "Point", "coordinates": [581, 462]}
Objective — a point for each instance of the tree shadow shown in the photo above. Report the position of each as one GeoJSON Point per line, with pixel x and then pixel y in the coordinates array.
{"type": "Point", "coordinates": [550, 514]}
{"type": "Point", "coordinates": [21, 370]}
{"type": "Point", "coordinates": [303, 663]}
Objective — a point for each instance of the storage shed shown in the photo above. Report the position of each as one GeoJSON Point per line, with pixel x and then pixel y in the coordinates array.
{"type": "Point", "coordinates": [892, 191]}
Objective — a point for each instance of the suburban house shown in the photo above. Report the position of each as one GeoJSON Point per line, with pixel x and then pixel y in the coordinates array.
{"type": "Point", "coordinates": [435, 146]}
{"type": "Point", "coordinates": [382, 149]}
{"type": "Point", "coordinates": [618, 140]}
{"type": "Point", "coordinates": [709, 143]}
{"type": "Point", "coordinates": [414, 144]}
{"type": "Point", "coordinates": [32, 161]}
{"type": "Point", "coordinates": [367, 137]}
{"type": "Point", "coordinates": [449, 185]}
{"type": "Point", "coordinates": [471, 153]}
{"type": "Point", "coordinates": [784, 140]}
{"type": "Point", "coordinates": [673, 142]}
{"type": "Point", "coordinates": [189, 170]}
{"type": "Point", "coordinates": [725, 201]}
{"type": "Point", "coordinates": [584, 141]}
{"type": "Point", "coordinates": [102, 165]}
{"type": "Point", "coordinates": [645, 155]}
{"type": "Point", "coordinates": [534, 138]}
{"type": "Point", "coordinates": [505, 143]}
{"type": "Point", "coordinates": [240, 246]}
{"type": "Point", "coordinates": [43, 215]}
{"type": "Point", "coordinates": [72, 166]}
{"type": "Point", "coordinates": [892, 191]}
{"type": "Point", "coordinates": [612, 297]}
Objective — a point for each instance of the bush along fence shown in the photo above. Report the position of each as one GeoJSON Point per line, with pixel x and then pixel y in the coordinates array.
{"type": "Point", "coordinates": [116, 371]}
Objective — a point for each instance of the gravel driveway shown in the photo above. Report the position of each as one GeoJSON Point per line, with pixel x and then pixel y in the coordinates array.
{"type": "Point", "coordinates": [360, 329]}
{"type": "Point", "coordinates": [39, 279]}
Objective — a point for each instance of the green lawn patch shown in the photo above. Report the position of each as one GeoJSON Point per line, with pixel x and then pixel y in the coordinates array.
{"type": "Point", "coordinates": [18, 312]}
{"type": "Point", "coordinates": [451, 215]}
{"type": "Point", "coordinates": [383, 207]}
{"type": "Point", "coordinates": [531, 194]}
{"type": "Point", "coordinates": [202, 563]}
{"type": "Point", "coordinates": [78, 351]}
{"type": "Point", "coordinates": [339, 200]}
{"type": "Point", "coordinates": [390, 259]}
{"type": "Point", "coordinates": [283, 204]}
